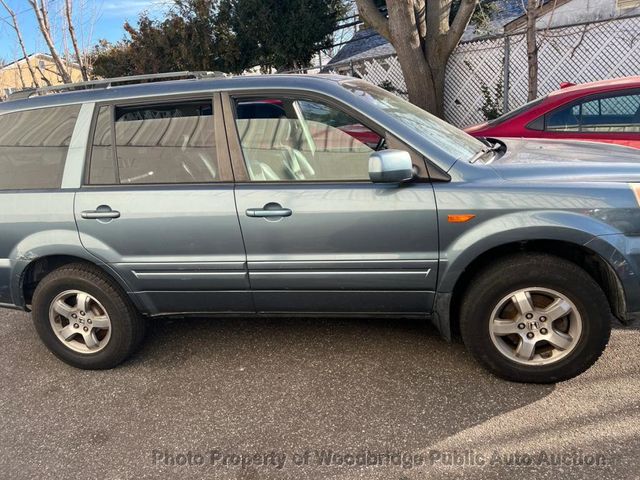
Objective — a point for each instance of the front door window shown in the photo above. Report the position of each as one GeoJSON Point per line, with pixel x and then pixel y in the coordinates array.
{"type": "Point", "coordinates": [303, 140]}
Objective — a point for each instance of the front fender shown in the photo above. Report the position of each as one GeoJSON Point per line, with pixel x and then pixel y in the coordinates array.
{"type": "Point", "coordinates": [568, 227]}
{"type": "Point", "coordinates": [562, 226]}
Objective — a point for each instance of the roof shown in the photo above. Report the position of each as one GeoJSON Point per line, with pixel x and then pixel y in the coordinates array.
{"type": "Point", "coordinates": [366, 43]}
{"type": "Point", "coordinates": [174, 87]}
{"type": "Point", "coordinates": [37, 55]}
{"type": "Point", "coordinates": [612, 83]}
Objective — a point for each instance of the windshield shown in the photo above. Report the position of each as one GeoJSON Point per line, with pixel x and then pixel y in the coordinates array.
{"type": "Point", "coordinates": [517, 111]}
{"type": "Point", "coordinates": [455, 142]}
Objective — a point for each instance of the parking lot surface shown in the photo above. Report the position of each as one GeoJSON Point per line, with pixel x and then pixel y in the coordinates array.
{"type": "Point", "coordinates": [307, 398]}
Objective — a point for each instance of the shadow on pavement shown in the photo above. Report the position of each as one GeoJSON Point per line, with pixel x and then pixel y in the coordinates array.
{"type": "Point", "coordinates": [243, 386]}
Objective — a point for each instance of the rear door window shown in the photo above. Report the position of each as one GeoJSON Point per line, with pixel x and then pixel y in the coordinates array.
{"type": "Point", "coordinates": [155, 144]}
{"type": "Point", "coordinates": [34, 146]}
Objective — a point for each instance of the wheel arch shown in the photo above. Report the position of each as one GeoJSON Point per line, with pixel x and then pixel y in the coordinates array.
{"type": "Point", "coordinates": [448, 304]}
{"type": "Point", "coordinates": [32, 272]}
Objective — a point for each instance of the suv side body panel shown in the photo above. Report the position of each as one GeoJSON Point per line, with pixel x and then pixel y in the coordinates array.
{"type": "Point", "coordinates": [178, 246]}
{"type": "Point", "coordinates": [34, 224]}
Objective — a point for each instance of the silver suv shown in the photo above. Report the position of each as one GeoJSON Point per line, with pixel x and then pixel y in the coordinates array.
{"type": "Point", "coordinates": [123, 201]}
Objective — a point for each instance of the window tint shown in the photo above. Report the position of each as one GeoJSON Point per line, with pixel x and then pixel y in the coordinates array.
{"type": "Point", "coordinates": [564, 120]}
{"type": "Point", "coordinates": [34, 145]}
{"type": "Point", "coordinates": [296, 140]}
{"type": "Point", "coordinates": [102, 167]}
{"type": "Point", "coordinates": [166, 143]}
{"type": "Point", "coordinates": [613, 114]}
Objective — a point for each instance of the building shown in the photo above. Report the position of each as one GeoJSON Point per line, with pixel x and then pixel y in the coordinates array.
{"type": "Point", "coordinates": [15, 76]}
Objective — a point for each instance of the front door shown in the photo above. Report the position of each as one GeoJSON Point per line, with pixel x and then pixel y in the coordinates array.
{"type": "Point", "coordinates": [319, 235]}
{"type": "Point", "coordinates": [158, 205]}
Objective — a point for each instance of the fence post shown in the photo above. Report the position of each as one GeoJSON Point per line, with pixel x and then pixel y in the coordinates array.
{"type": "Point", "coordinates": [506, 69]}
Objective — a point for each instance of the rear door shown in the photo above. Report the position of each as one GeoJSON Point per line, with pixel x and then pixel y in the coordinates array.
{"type": "Point", "coordinates": [319, 235]}
{"type": "Point", "coordinates": [158, 205]}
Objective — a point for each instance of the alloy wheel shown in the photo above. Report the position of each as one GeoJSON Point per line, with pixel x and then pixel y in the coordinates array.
{"type": "Point", "coordinates": [535, 326]}
{"type": "Point", "coordinates": [80, 321]}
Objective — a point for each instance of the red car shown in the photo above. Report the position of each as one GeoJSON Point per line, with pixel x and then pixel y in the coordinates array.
{"type": "Point", "coordinates": [606, 111]}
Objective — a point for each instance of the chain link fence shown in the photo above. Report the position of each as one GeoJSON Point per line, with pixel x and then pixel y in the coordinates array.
{"type": "Point", "coordinates": [494, 69]}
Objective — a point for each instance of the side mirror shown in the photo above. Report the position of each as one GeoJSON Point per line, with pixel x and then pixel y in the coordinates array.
{"type": "Point", "coordinates": [390, 166]}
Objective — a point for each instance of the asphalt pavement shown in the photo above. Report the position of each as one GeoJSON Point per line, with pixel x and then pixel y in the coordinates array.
{"type": "Point", "coordinates": [309, 399]}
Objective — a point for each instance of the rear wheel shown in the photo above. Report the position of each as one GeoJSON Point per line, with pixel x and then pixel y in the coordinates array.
{"type": "Point", "coordinates": [535, 318]}
{"type": "Point", "coordinates": [84, 318]}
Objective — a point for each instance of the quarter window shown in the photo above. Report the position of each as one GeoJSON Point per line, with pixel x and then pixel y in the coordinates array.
{"type": "Point", "coordinates": [102, 168]}
{"type": "Point", "coordinates": [302, 140]}
{"type": "Point", "coordinates": [34, 145]}
{"type": "Point", "coordinates": [165, 143]}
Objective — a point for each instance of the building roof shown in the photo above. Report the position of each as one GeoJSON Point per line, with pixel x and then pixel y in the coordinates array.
{"type": "Point", "coordinates": [366, 43]}
{"type": "Point", "coordinates": [37, 55]}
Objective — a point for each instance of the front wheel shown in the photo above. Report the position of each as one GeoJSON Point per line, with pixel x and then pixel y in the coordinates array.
{"type": "Point", "coordinates": [535, 318]}
{"type": "Point", "coordinates": [84, 318]}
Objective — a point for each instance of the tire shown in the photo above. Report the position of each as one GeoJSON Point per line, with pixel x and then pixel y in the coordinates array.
{"type": "Point", "coordinates": [524, 283]}
{"type": "Point", "coordinates": [66, 290]}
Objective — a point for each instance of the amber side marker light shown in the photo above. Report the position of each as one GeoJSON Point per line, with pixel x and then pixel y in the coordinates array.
{"type": "Point", "coordinates": [460, 218]}
{"type": "Point", "coordinates": [635, 188]}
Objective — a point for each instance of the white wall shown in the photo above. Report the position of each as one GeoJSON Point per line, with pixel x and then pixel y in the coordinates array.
{"type": "Point", "coordinates": [578, 11]}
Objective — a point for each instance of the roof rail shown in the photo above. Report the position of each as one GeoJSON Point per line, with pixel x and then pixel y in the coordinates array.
{"type": "Point", "coordinates": [112, 82]}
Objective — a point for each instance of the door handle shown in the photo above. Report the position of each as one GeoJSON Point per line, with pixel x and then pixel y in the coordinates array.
{"type": "Point", "coordinates": [270, 210]}
{"type": "Point", "coordinates": [102, 212]}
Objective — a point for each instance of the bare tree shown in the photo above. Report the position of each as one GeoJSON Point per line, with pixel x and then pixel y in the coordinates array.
{"type": "Point", "coordinates": [68, 6]}
{"type": "Point", "coordinates": [424, 37]}
{"type": "Point", "coordinates": [16, 27]}
{"type": "Point", "coordinates": [42, 16]}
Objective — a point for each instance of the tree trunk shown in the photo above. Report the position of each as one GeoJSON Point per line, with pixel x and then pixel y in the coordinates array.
{"type": "Point", "coordinates": [42, 16]}
{"type": "Point", "coordinates": [532, 49]}
{"type": "Point", "coordinates": [424, 87]}
{"type": "Point", "coordinates": [424, 38]}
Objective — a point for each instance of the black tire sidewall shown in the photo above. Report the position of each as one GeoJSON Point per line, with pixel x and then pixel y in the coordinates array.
{"type": "Point", "coordinates": [566, 279]}
{"type": "Point", "coordinates": [122, 337]}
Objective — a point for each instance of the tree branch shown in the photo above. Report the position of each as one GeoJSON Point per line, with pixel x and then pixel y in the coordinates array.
{"type": "Point", "coordinates": [42, 16]}
{"type": "Point", "coordinates": [460, 23]}
{"type": "Point", "coordinates": [74, 41]}
{"type": "Point", "coordinates": [371, 15]}
{"type": "Point", "coordinates": [16, 27]}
